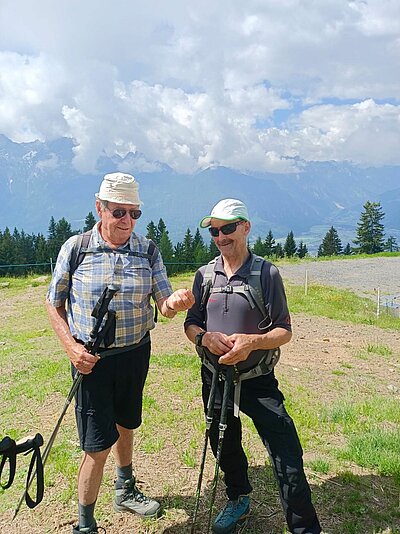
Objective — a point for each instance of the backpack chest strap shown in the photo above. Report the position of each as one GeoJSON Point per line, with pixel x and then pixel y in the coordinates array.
{"type": "Point", "coordinates": [243, 289]}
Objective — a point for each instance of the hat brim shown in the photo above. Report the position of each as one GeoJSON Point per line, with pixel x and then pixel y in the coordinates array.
{"type": "Point", "coordinates": [118, 200]}
{"type": "Point", "coordinates": [206, 221]}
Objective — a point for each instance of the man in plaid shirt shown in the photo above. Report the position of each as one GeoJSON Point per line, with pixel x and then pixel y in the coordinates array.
{"type": "Point", "coordinates": [109, 400]}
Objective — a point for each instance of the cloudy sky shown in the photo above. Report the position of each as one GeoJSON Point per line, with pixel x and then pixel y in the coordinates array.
{"type": "Point", "coordinates": [253, 85]}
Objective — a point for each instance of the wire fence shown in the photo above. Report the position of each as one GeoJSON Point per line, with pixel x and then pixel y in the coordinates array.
{"type": "Point", "coordinates": [24, 269]}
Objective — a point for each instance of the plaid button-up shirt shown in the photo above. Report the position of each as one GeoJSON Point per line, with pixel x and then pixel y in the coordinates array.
{"type": "Point", "coordinates": [138, 281]}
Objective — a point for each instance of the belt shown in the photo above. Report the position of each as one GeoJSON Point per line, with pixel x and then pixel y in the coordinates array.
{"type": "Point", "coordinates": [118, 350]}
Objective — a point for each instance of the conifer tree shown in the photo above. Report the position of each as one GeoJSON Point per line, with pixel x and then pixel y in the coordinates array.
{"type": "Point", "coordinates": [347, 250]}
{"type": "Point", "coordinates": [290, 245]}
{"type": "Point", "coordinates": [90, 221]}
{"type": "Point", "coordinates": [6, 249]}
{"type": "Point", "coordinates": [391, 244]}
{"type": "Point", "coordinates": [331, 244]}
{"type": "Point", "coordinates": [187, 247]}
{"type": "Point", "coordinates": [166, 248]}
{"type": "Point", "coordinates": [269, 244]}
{"type": "Point", "coordinates": [302, 250]}
{"type": "Point", "coordinates": [259, 247]}
{"type": "Point", "coordinates": [161, 228]}
{"type": "Point", "coordinates": [278, 251]}
{"type": "Point", "coordinates": [151, 231]}
{"type": "Point", "coordinates": [370, 230]}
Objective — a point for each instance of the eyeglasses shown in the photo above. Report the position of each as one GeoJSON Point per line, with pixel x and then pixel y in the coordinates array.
{"type": "Point", "coordinates": [118, 213]}
{"type": "Point", "coordinates": [226, 229]}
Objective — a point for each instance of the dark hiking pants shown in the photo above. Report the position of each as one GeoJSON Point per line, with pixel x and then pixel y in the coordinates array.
{"type": "Point", "coordinates": [262, 401]}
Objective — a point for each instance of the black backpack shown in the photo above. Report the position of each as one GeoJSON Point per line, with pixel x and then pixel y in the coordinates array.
{"type": "Point", "coordinates": [252, 290]}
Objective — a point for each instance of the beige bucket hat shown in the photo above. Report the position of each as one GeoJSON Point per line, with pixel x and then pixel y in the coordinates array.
{"type": "Point", "coordinates": [120, 188]}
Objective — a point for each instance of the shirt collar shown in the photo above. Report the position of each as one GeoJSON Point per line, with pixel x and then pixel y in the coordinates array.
{"type": "Point", "coordinates": [98, 241]}
{"type": "Point", "coordinates": [242, 272]}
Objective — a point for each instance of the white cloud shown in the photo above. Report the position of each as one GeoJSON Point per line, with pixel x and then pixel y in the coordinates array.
{"type": "Point", "coordinates": [193, 85]}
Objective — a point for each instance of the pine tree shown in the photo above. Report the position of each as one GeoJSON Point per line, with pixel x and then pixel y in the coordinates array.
{"type": "Point", "coordinates": [90, 221]}
{"type": "Point", "coordinates": [302, 250]}
{"type": "Point", "coordinates": [347, 250]}
{"type": "Point", "coordinates": [41, 252]}
{"type": "Point", "coordinates": [370, 230]}
{"type": "Point", "coordinates": [259, 247]}
{"type": "Point", "coordinates": [269, 244]}
{"type": "Point", "coordinates": [187, 247]}
{"type": "Point", "coordinates": [179, 258]}
{"type": "Point", "coordinates": [278, 251]}
{"type": "Point", "coordinates": [391, 244]}
{"type": "Point", "coordinates": [290, 245]}
{"type": "Point", "coordinates": [166, 247]}
{"type": "Point", "coordinates": [161, 228]}
{"type": "Point", "coordinates": [198, 239]}
{"type": "Point", "coordinates": [6, 250]}
{"type": "Point", "coordinates": [151, 231]}
{"type": "Point", "coordinates": [331, 244]}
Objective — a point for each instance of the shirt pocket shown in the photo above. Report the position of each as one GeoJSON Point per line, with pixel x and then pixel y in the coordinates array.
{"type": "Point", "coordinates": [138, 280]}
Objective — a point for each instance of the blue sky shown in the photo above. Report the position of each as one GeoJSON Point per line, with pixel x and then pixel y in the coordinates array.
{"type": "Point", "coordinates": [255, 85]}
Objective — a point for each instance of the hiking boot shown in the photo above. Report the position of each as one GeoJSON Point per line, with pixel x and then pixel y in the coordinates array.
{"type": "Point", "coordinates": [232, 514]}
{"type": "Point", "coordinates": [131, 499]}
{"type": "Point", "coordinates": [93, 529]}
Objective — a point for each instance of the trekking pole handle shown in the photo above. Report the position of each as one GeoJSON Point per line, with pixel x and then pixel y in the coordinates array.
{"type": "Point", "coordinates": [101, 309]}
{"type": "Point", "coordinates": [29, 443]}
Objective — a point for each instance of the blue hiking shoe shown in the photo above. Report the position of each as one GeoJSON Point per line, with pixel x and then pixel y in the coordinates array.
{"type": "Point", "coordinates": [232, 514]}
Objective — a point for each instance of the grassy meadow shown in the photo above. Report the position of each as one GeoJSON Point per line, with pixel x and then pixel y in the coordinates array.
{"type": "Point", "coordinates": [348, 421]}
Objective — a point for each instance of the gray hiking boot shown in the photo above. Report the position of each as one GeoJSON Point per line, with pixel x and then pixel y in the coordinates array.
{"type": "Point", "coordinates": [131, 499]}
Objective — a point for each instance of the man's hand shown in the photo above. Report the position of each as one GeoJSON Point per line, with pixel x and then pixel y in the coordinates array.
{"type": "Point", "coordinates": [217, 343]}
{"type": "Point", "coordinates": [81, 359]}
{"type": "Point", "coordinates": [180, 300]}
{"type": "Point", "coordinates": [241, 346]}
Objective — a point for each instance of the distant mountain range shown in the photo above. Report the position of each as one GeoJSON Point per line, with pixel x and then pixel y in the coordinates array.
{"type": "Point", "coordinates": [38, 180]}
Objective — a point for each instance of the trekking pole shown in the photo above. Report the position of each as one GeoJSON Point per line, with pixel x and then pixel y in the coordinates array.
{"type": "Point", "coordinates": [222, 427]}
{"type": "Point", "coordinates": [209, 419]}
{"type": "Point", "coordinates": [96, 337]}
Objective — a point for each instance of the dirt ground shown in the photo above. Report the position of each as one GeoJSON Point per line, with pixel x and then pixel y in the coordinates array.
{"type": "Point", "coordinates": [320, 348]}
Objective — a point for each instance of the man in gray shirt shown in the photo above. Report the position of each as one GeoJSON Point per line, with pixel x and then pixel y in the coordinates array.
{"type": "Point", "coordinates": [229, 330]}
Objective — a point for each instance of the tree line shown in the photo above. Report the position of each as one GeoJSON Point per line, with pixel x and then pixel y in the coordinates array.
{"type": "Point", "coordinates": [19, 250]}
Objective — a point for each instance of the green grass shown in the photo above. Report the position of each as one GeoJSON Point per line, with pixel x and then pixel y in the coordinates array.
{"type": "Point", "coordinates": [337, 304]}
{"type": "Point", "coordinates": [351, 441]}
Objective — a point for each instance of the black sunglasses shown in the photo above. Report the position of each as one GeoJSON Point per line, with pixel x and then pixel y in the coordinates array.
{"type": "Point", "coordinates": [118, 213]}
{"type": "Point", "coordinates": [226, 229]}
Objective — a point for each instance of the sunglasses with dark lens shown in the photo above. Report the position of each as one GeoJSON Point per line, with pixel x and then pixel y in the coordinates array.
{"type": "Point", "coordinates": [226, 229]}
{"type": "Point", "coordinates": [118, 213]}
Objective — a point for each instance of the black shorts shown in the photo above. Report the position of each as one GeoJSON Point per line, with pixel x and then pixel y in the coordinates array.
{"type": "Point", "coordinates": [111, 394]}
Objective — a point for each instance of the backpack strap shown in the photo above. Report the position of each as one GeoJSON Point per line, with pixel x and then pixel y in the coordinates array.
{"type": "Point", "coordinates": [78, 253]}
{"type": "Point", "coordinates": [208, 283]}
{"type": "Point", "coordinates": [255, 291]}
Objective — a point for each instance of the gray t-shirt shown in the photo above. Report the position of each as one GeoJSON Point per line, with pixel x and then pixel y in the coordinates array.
{"type": "Point", "coordinates": [231, 312]}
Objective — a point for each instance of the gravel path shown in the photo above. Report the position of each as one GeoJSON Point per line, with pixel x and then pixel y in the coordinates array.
{"type": "Point", "coordinates": [363, 276]}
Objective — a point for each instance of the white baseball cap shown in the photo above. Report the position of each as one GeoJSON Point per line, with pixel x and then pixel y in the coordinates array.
{"type": "Point", "coordinates": [228, 209]}
{"type": "Point", "coordinates": [120, 188]}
